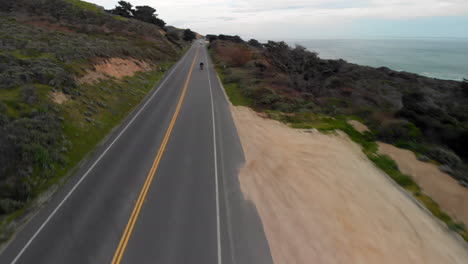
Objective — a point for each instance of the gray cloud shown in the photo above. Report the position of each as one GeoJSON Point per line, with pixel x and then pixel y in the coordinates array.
{"type": "Point", "coordinates": [292, 18]}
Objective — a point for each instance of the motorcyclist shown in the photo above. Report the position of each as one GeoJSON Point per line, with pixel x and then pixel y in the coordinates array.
{"type": "Point", "coordinates": [201, 65]}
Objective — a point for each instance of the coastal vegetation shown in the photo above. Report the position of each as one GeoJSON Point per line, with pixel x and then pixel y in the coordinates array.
{"type": "Point", "coordinates": [144, 13]}
{"type": "Point", "coordinates": [295, 86]}
{"type": "Point", "coordinates": [51, 116]}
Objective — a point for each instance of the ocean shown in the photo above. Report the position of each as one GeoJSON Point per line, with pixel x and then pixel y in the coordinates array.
{"type": "Point", "coordinates": [432, 57]}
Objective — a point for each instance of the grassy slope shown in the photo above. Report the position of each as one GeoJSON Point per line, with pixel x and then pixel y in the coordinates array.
{"type": "Point", "coordinates": [367, 142]}
{"type": "Point", "coordinates": [37, 56]}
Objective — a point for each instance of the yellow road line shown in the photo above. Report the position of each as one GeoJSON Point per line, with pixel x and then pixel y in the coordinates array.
{"type": "Point", "coordinates": [136, 210]}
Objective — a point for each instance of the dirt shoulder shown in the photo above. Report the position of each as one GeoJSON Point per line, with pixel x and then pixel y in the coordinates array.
{"type": "Point", "coordinates": [322, 201]}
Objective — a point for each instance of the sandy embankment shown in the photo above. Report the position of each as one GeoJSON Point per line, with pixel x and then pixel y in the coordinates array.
{"type": "Point", "coordinates": [322, 201]}
{"type": "Point", "coordinates": [445, 190]}
{"type": "Point", "coordinates": [114, 67]}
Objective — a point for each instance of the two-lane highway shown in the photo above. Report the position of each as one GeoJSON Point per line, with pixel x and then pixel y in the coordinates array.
{"type": "Point", "coordinates": [162, 189]}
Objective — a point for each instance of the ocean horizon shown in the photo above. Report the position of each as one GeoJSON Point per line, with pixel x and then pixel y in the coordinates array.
{"type": "Point", "coordinates": [442, 58]}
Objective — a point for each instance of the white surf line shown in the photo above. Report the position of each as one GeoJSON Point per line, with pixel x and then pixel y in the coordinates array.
{"type": "Point", "coordinates": [218, 232]}
{"type": "Point", "coordinates": [94, 164]}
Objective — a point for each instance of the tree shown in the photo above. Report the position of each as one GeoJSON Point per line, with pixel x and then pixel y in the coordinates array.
{"type": "Point", "coordinates": [147, 14]}
{"type": "Point", "coordinates": [189, 35]}
{"type": "Point", "coordinates": [255, 43]}
{"type": "Point", "coordinates": [211, 37]}
{"type": "Point", "coordinates": [235, 39]}
{"type": "Point", "coordinates": [124, 9]}
{"type": "Point", "coordinates": [143, 13]}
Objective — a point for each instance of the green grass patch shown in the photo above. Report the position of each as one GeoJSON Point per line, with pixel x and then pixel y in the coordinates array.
{"type": "Point", "coordinates": [234, 92]}
{"type": "Point", "coordinates": [390, 167]}
{"type": "Point", "coordinates": [120, 18]}
{"type": "Point", "coordinates": [235, 95]}
{"type": "Point", "coordinates": [84, 5]}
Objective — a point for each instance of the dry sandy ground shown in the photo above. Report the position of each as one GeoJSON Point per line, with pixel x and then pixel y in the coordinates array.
{"type": "Point", "coordinates": [451, 196]}
{"type": "Point", "coordinates": [322, 201]}
{"type": "Point", "coordinates": [114, 67]}
{"type": "Point", "coordinates": [59, 97]}
{"type": "Point", "coordinates": [358, 126]}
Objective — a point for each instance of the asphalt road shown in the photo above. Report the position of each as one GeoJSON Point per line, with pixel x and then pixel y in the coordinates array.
{"type": "Point", "coordinates": [163, 188]}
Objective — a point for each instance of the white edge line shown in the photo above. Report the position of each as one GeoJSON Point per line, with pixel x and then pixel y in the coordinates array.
{"type": "Point", "coordinates": [218, 232]}
{"type": "Point", "coordinates": [94, 164]}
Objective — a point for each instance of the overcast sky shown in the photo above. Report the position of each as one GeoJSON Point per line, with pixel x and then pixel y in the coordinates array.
{"type": "Point", "coordinates": [304, 19]}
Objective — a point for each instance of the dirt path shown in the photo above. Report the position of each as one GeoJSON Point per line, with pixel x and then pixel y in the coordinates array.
{"type": "Point", "coordinates": [322, 201]}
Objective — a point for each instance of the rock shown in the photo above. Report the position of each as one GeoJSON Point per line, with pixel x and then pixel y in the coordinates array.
{"type": "Point", "coordinates": [87, 114]}
{"type": "Point", "coordinates": [89, 120]}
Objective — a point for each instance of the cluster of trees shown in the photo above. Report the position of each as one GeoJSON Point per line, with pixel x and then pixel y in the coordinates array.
{"type": "Point", "coordinates": [144, 13]}
{"type": "Point", "coordinates": [235, 39]}
{"type": "Point", "coordinates": [189, 35]}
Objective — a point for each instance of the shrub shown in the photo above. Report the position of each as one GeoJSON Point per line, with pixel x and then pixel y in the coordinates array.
{"type": "Point", "coordinates": [445, 156]}
{"type": "Point", "coordinates": [399, 130]}
{"type": "Point", "coordinates": [464, 86]}
{"type": "Point", "coordinates": [283, 106]}
{"type": "Point", "coordinates": [29, 94]}
{"type": "Point", "coordinates": [266, 97]}
{"type": "Point", "coordinates": [2, 107]}
{"type": "Point", "coordinates": [235, 55]}
{"type": "Point", "coordinates": [8, 205]}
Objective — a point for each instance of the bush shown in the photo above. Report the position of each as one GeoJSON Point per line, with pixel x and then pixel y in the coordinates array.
{"type": "Point", "coordinates": [399, 130]}
{"type": "Point", "coordinates": [9, 205]}
{"type": "Point", "coordinates": [29, 145]}
{"type": "Point", "coordinates": [445, 156]}
{"type": "Point", "coordinates": [266, 97]}
{"type": "Point", "coordinates": [464, 86]}
{"type": "Point", "coordinates": [2, 107]}
{"type": "Point", "coordinates": [235, 55]}
{"type": "Point", "coordinates": [29, 94]}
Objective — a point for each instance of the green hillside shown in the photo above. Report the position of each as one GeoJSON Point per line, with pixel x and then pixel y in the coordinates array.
{"type": "Point", "coordinates": [50, 119]}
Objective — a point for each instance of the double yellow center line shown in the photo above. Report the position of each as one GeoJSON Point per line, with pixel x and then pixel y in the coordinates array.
{"type": "Point", "coordinates": [136, 210]}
